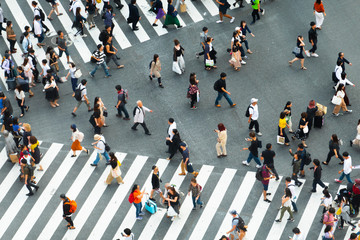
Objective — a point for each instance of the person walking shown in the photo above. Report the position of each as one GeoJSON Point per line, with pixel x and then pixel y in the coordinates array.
{"type": "Point", "coordinates": [7, 112]}
{"type": "Point", "coordinates": [20, 98]}
{"type": "Point", "coordinates": [281, 128]}
{"type": "Point", "coordinates": [178, 58]}
{"type": "Point", "coordinates": [51, 91]}
{"type": "Point", "coordinates": [11, 36]}
{"type": "Point", "coordinates": [127, 234]}
{"type": "Point", "coordinates": [39, 12]}
{"type": "Point", "coordinates": [255, 4]}
{"type": "Point", "coordinates": [266, 175]}
{"type": "Point", "coordinates": [254, 116]}
{"type": "Point", "coordinates": [241, 5]}
{"type": "Point", "coordinates": [90, 8]}
{"type": "Point", "coordinates": [296, 164]}
{"type": "Point", "coordinates": [172, 125]}
{"type": "Point", "coordinates": [24, 82]}
{"type": "Point", "coordinates": [286, 206]}
{"type": "Point", "coordinates": [343, 60]}
{"type": "Point", "coordinates": [326, 202]}
{"type": "Point", "coordinates": [220, 87]}
{"type": "Point", "coordinates": [110, 52]}
{"type": "Point", "coordinates": [100, 148]}
{"type": "Point", "coordinates": [100, 56]}
{"type": "Point", "coordinates": [27, 68]}
{"type": "Point", "coordinates": [67, 211]}
{"type": "Point", "coordinates": [223, 7]}
{"type": "Point", "coordinates": [35, 152]}
{"type": "Point", "coordinates": [173, 201]}
{"type": "Point", "coordinates": [356, 141]}
{"type": "Point", "coordinates": [298, 52]}
{"type": "Point", "coordinates": [54, 7]}
{"type": "Point", "coordinates": [334, 150]}
{"type": "Point", "coordinates": [253, 148]}
{"type": "Point", "coordinates": [319, 13]}
{"type": "Point", "coordinates": [235, 60]}
{"type": "Point", "coordinates": [159, 11]}
{"type": "Point", "coordinates": [297, 235]}
{"type": "Point", "coordinates": [302, 129]}
{"type": "Point", "coordinates": [244, 28]}
{"type": "Point", "coordinates": [209, 55]}
{"type": "Point", "coordinates": [62, 46]}
{"type": "Point", "coordinates": [313, 40]}
{"type": "Point", "coordinates": [268, 157]}
{"type": "Point", "coordinates": [137, 195]}
{"type": "Point", "coordinates": [155, 69]}
{"type": "Point", "coordinates": [28, 173]}
{"type": "Point", "coordinates": [10, 144]}
{"type": "Point", "coordinates": [291, 186]}
{"type": "Point", "coordinates": [26, 44]}
{"type": "Point", "coordinates": [38, 31]}
{"type": "Point", "coordinates": [34, 63]}
{"type": "Point", "coordinates": [155, 182]}
{"type": "Point", "coordinates": [310, 112]}
{"type": "Point", "coordinates": [79, 23]}
{"type": "Point", "coordinates": [193, 91]}
{"type": "Point", "coordinates": [343, 80]}
{"type": "Point", "coordinates": [345, 214]}
{"type": "Point", "coordinates": [134, 16]}
{"type": "Point", "coordinates": [221, 141]}
{"type": "Point", "coordinates": [195, 190]}
{"type": "Point", "coordinates": [171, 16]}
{"type": "Point", "coordinates": [340, 94]}
{"type": "Point", "coordinates": [114, 170]}
{"type": "Point", "coordinates": [108, 18]}
{"type": "Point", "coordinates": [139, 116]}
{"type": "Point", "coordinates": [235, 232]}
{"type": "Point", "coordinates": [84, 98]}
{"type": "Point", "coordinates": [174, 143]}
{"type": "Point", "coordinates": [347, 168]}
{"type": "Point", "coordinates": [121, 103]}
{"type": "Point", "coordinates": [2, 20]}
{"type": "Point", "coordinates": [185, 163]}
{"type": "Point", "coordinates": [71, 73]}
{"type": "Point", "coordinates": [329, 219]}
{"type": "Point", "coordinates": [96, 119]}
{"type": "Point", "coordinates": [77, 137]}
{"type": "Point", "coordinates": [317, 175]}
{"type": "Point", "coordinates": [203, 37]}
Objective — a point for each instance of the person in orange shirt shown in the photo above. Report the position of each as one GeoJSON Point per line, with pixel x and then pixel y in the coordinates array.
{"type": "Point", "coordinates": [137, 200]}
{"type": "Point", "coordinates": [319, 13]}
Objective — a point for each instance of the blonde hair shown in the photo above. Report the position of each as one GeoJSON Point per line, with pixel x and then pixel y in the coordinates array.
{"type": "Point", "coordinates": [27, 127]}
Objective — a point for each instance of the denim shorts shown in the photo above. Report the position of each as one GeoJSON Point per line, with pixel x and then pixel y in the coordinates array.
{"type": "Point", "coordinates": [265, 187]}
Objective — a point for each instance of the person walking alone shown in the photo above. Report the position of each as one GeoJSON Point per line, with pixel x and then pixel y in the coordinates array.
{"type": "Point", "coordinates": [253, 116]}
{"type": "Point", "coordinates": [139, 116]}
{"type": "Point", "coordinates": [66, 211]}
{"type": "Point", "coordinates": [298, 51]}
{"type": "Point", "coordinates": [223, 7]}
{"type": "Point", "coordinates": [100, 56]}
{"type": "Point", "coordinates": [255, 4]}
{"type": "Point", "coordinates": [115, 170]}
{"type": "Point", "coordinates": [347, 168]}
{"type": "Point", "coordinates": [313, 40]}
{"type": "Point", "coordinates": [220, 87]}
{"type": "Point", "coordinates": [28, 174]}
{"type": "Point", "coordinates": [268, 157]}
{"type": "Point", "coordinates": [20, 98]}
{"type": "Point", "coordinates": [319, 12]}
{"type": "Point", "coordinates": [221, 140]}
{"type": "Point", "coordinates": [290, 185]}
{"type": "Point", "coordinates": [137, 195]}
{"type": "Point", "coordinates": [121, 102]}
{"type": "Point", "coordinates": [317, 175]}
{"type": "Point", "coordinates": [178, 58]}
{"type": "Point", "coordinates": [340, 94]}
{"type": "Point", "coordinates": [11, 36]}
{"type": "Point", "coordinates": [334, 150]}
{"type": "Point", "coordinates": [100, 148]}
{"type": "Point", "coordinates": [155, 69]}
{"type": "Point", "coordinates": [285, 206]}
{"type": "Point", "coordinates": [185, 163]}
{"type": "Point", "coordinates": [195, 190]}
{"type": "Point", "coordinates": [77, 137]}
{"type": "Point", "coordinates": [134, 16]}
{"type": "Point", "coordinates": [253, 148]}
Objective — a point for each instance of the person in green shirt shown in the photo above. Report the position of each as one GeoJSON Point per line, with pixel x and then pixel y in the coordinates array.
{"type": "Point", "coordinates": [255, 4]}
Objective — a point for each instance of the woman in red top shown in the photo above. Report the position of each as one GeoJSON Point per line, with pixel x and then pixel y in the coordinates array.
{"type": "Point", "coordinates": [319, 12]}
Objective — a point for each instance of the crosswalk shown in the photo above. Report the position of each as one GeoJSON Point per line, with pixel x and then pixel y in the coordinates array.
{"type": "Point", "coordinates": [223, 190]}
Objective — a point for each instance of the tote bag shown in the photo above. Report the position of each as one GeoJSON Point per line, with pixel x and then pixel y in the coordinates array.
{"type": "Point", "coordinates": [78, 73]}
{"type": "Point", "coordinates": [336, 100]}
{"type": "Point", "coordinates": [306, 129]}
{"type": "Point", "coordinates": [176, 68]}
{"type": "Point", "coordinates": [280, 139]}
{"type": "Point", "coordinates": [209, 63]}
{"type": "Point", "coordinates": [183, 7]}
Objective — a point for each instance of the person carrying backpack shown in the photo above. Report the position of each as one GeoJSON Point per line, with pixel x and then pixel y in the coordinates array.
{"type": "Point", "coordinates": [39, 12]}
{"type": "Point", "coordinates": [69, 207]}
{"type": "Point", "coordinates": [99, 57]}
{"type": "Point", "coordinates": [195, 190]}
{"type": "Point", "coordinates": [238, 226]}
{"type": "Point", "coordinates": [28, 173]}
{"type": "Point", "coordinates": [80, 96]}
{"type": "Point", "coordinates": [220, 87]}
{"type": "Point", "coordinates": [266, 175]}
{"type": "Point", "coordinates": [121, 101]}
{"type": "Point", "coordinates": [135, 198]}
{"type": "Point", "coordinates": [139, 116]}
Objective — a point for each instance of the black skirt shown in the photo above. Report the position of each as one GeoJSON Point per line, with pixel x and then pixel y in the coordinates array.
{"type": "Point", "coordinates": [51, 94]}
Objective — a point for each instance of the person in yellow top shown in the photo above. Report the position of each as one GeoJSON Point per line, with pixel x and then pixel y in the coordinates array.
{"type": "Point", "coordinates": [281, 128]}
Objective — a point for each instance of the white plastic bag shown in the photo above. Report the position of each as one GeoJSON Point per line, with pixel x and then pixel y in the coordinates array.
{"type": "Point", "coordinates": [171, 212]}
{"type": "Point", "coordinates": [176, 68]}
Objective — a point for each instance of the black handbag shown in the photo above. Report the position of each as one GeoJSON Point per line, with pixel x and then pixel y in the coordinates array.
{"type": "Point", "coordinates": [105, 113]}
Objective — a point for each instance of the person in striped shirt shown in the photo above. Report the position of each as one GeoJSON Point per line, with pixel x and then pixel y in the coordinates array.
{"type": "Point", "coordinates": [99, 56]}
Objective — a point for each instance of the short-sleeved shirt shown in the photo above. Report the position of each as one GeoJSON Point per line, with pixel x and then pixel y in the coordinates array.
{"type": "Point", "coordinates": [333, 146]}
{"type": "Point", "coordinates": [235, 222]}
{"type": "Point", "coordinates": [173, 196]}
{"type": "Point", "coordinates": [83, 91]}
{"type": "Point", "coordinates": [268, 156]}
{"type": "Point", "coordinates": [329, 218]}
{"type": "Point", "coordinates": [121, 97]}
{"type": "Point", "coordinates": [221, 84]}
{"type": "Point", "coordinates": [136, 193]}
{"type": "Point", "coordinates": [72, 72]}
{"type": "Point", "coordinates": [312, 35]}
{"type": "Point", "coordinates": [254, 148]}
{"type": "Point", "coordinates": [265, 174]}
{"type": "Point", "coordinates": [254, 111]}
{"type": "Point", "coordinates": [282, 123]}
{"type": "Point", "coordinates": [7, 104]}
{"type": "Point", "coordinates": [19, 95]}
{"type": "Point", "coordinates": [256, 4]}
{"type": "Point", "coordinates": [100, 144]}
{"type": "Point", "coordinates": [289, 109]}
{"type": "Point", "coordinates": [62, 42]}
{"type": "Point", "coordinates": [185, 155]}
{"type": "Point", "coordinates": [26, 171]}
{"type": "Point", "coordinates": [44, 69]}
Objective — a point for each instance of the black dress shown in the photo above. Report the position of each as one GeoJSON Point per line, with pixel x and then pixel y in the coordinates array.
{"type": "Point", "coordinates": [310, 116]}
{"type": "Point", "coordinates": [300, 55]}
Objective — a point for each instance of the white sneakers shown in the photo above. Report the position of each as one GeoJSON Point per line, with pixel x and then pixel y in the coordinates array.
{"type": "Point", "coordinates": [314, 55]}
{"type": "Point", "coordinates": [258, 166]}
{"type": "Point", "coordinates": [232, 20]}
{"type": "Point", "coordinates": [219, 21]}
{"type": "Point", "coordinates": [245, 163]}
{"type": "Point", "coordinates": [243, 62]}
{"type": "Point", "coordinates": [259, 134]}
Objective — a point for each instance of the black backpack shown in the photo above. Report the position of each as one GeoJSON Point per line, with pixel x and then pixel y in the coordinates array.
{"type": "Point", "coordinates": [307, 158]}
{"type": "Point", "coordinates": [77, 94]}
{"type": "Point", "coordinates": [150, 64]}
{"type": "Point", "coordinates": [247, 113]}
{"type": "Point", "coordinates": [134, 111]}
{"type": "Point", "coordinates": [241, 224]}
{"type": "Point", "coordinates": [216, 86]}
{"type": "Point", "coordinates": [103, 16]}
{"type": "Point", "coordinates": [42, 15]}
{"type": "Point", "coordinates": [107, 147]}
{"type": "Point", "coordinates": [259, 175]}
{"type": "Point", "coordinates": [102, 36]}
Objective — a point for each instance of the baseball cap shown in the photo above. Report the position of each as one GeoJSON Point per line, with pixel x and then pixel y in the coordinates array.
{"type": "Point", "coordinates": [237, 28]}
{"type": "Point", "coordinates": [254, 100]}
{"type": "Point", "coordinates": [182, 144]}
{"type": "Point", "coordinates": [25, 152]}
{"type": "Point", "coordinates": [233, 212]}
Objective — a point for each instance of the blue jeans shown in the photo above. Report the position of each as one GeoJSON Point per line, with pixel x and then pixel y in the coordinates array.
{"type": "Point", "coordinates": [105, 154]}
{"type": "Point", "coordinates": [225, 95]}
{"type": "Point", "coordinates": [104, 66]}
{"type": "Point", "coordinates": [251, 156]}
{"type": "Point", "coordinates": [197, 202]}
{"type": "Point", "coordinates": [347, 177]}
{"type": "Point", "coordinates": [41, 38]}
{"type": "Point", "coordinates": [123, 109]}
{"type": "Point", "coordinates": [138, 207]}
{"type": "Point", "coordinates": [74, 84]}
{"type": "Point", "coordinates": [294, 206]}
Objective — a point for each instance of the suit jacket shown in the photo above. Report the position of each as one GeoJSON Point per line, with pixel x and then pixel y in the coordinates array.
{"type": "Point", "coordinates": [133, 13]}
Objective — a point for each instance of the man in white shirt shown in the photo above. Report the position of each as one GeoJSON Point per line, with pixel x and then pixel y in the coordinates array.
{"type": "Point", "coordinates": [347, 168]}
{"type": "Point", "coordinates": [38, 31]}
{"type": "Point", "coordinates": [99, 147]}
{"type": "Point", "coordinates": [297, 234]}
{"type": "Point", "coordinates": [37, 10]}
{"type": "Point", "coordinates": [139, 116]}
{"type": "Point", "coordinates": [291, 185]}
{"type": "Point", "coordinates": [254, 115]}
{"type": "Point", "coordinates": [126, 235]}
{"type": "Point", "coordinates": [172, 126]}
{"type": "Point", "coordinates": [74, 5]}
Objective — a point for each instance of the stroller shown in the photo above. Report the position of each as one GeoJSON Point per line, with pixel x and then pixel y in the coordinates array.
{"type": "Point", "coordinates": [354, 200]}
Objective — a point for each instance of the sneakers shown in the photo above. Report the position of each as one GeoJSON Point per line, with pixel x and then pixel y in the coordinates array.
{"type": "Point", "coordinates": [29, 194]}
{"type": "Point", "coordinates": [84, 35]}
{"type": "Point", "coordinates": [232, 20]}
{"type": "Point", "coordinates": [219, 21]}
{"type": "Point", "coordinates": [245, 163]}
{"type": "Point", "coordinates": [73, 114]}
{"type": "Point", "coordinates": [336, 114]}
{"type": "Point", "coordinates": [258, 166]}
{"type": "Point", "coordinates": [338, 181]}
{"type": "Point", "coordinates": [243, 62]}
{"type": "Point", "coordinates": [142, 214]}
{"type": "Point", "coordinates": [172, 219]}
{"type": "Point", "coordinates": [218, 105]}
{"type": "Point", "coordinates": [277, 220]}
{"type": "Point", "coordinates": [348, 111]}
{"type": "Point", "coordinates": [234, 104]}
{"type": "Point", "coordinates": [259, 133]}
{"type": "Point", "coordinates": [267, 200]}
{"type": "Point", "coordinates": [94, 165]}
{"type": "Point", "coordinates": [91, 75]}
{"type": "Point", "coordinates": [314, 55]}
{"type": "Point", "coordinates": [291, 219]}
{"type": "Point", "coordinates": [139, 218]}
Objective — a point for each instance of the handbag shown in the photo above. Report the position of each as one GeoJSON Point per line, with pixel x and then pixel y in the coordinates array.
{"type": "Point", "coordinates": [198, 96]}
{"type": "Point", "coordinates": [296, 50]}
{"type": "Point", "coordinates": [183, 7]}
{"type": "Point", "coordinates": [171, 212]}
{"type": "Point", "coordinates": [176, 68]}
{"type": "Point", "coordinates": [78, 73]}
{"type": "Point", "coordinates": [280, 139]}
{"type": "Point", "coordinates": [209, 62]}
{"type": "Point", "coordinates": [116, 172]}
{"type": "Point", "coordinates": [174, 13]}
{"type": "Point", "coordinates": [306, 129]}
{"type": "Point", "coordinates": [105, 113]}
{"type": "Point", "coordinates": [336, 100]}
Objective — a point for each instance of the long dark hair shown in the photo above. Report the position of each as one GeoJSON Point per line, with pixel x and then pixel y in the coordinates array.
{"type": "Point", "coordinates": [335, 138]}
{"type": "Point", "coordinates": [96, 100]}
{"type": "Point", "coordinates": [155, 57]}
{"type": "Point", "coordinates": [112, 156]}
{"type": "Point", "coordinates": [318, 1]}
{"type": "Point", "coordinates": [134, 188]}
{"type": "Point", "coordinates": [288, 193]}
{"type": "Point", "coordinates": [339, 87]}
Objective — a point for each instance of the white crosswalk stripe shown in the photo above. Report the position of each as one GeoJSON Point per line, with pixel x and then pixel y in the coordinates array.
{"type": "Point", "coordinates": [211, 7]}
{"type": "Point", "coordinates": [47, 21]}
{"type": "Point", "coordinates": [201, 219]}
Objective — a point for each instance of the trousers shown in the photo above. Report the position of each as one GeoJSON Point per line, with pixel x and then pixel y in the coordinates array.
{"type": "Point", "coordinates": [143, 125]}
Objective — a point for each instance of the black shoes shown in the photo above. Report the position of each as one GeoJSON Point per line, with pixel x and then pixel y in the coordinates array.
{"type": "Point", "coordinates": [73, 114]}
{"type": "Point", "coordinates": [94, 165]}
{"type": "Point", "coordinates": [148, 133]}
{"type": "Point", "coordinates": [29, 194]}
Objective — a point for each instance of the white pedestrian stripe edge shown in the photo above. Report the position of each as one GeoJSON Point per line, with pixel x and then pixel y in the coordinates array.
{"type": "Point", "coordinates": [165, 5]}
{"type": "Point", "coordinates": [186, 207]}
{"type": "Point", "coordinates": [193, 12]}
{"type": "Point", "coordinates": [278, 228]}
{"type": "Point", "coordinates": [21, 198]}
{"type": "Point", "coordinates": [212, 8]}
{"type": "Point", "coordinates": [155, 219]}
{"type": "Point", "coordinates": [238, 203]}
{"type": "Point", "coordinates": [261, 209]}
{"type": "Point", "coordinates": [310, 211]}
{"type": "Point", "coordinates": [130, 218]}
{"type": "Point", "coordinates": [3, 157]}
{"type": "Point", "coordinates": [47, 21]}
{"type": "Point", "coordinates": [214, 202]}
{"type": "Point", "coordinates": [45, 197]}
{"type": "Point", "coordinates": [118, 197]}
{"type": "Point", "coordinates": [72, 193]}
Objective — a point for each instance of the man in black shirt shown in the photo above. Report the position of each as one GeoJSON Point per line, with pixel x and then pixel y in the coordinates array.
{"type": "Point", "coordinates": [313, 39]}
{"type": "Point", "coordinates": [134, 15]}
{"type": "Point", "coordinates": [268, 157]}
{"type": "Point", "coordinates": [220, 87]}
{"type": "Point", "coordinates": [253, 148]}
{"type": "Point", "coordinates": [343, 60]}
{"type": "Point", "coordinates": [7, 111]}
